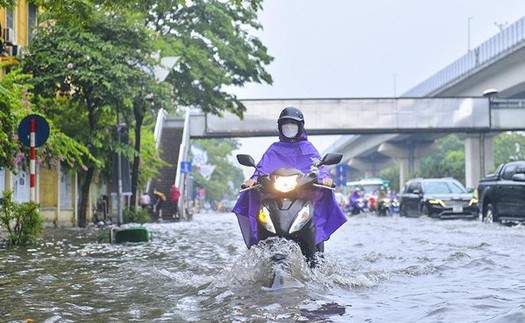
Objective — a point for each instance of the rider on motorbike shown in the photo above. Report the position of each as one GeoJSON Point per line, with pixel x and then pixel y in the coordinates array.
{"type": "Point", "coordinates": [354, 201]}
{"type": "Point", "coordinates": [382, 202]}
{"type": "Point", "coordinates": [292, 150]}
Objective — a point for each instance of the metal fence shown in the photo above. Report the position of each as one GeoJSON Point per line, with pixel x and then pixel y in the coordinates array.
{"type": "Point", "coordinates": [507, 41]}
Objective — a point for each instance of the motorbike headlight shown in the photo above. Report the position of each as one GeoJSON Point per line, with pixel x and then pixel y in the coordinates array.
{"type": "Point", "coordinates": [302, 218]}
{"type": "Point", "coordinates": [437, 201]}
{"type": "Point", "coordinates": [265, 220]}
{"type": "Point", "coordinates": [285, 183]}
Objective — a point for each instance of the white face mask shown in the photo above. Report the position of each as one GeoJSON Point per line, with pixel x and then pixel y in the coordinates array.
{"type": "Point", "coordinates": [290, 130]}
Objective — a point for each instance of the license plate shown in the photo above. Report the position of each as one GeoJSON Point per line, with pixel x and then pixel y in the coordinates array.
{"type": "Point", "coordinates": [457, 209]}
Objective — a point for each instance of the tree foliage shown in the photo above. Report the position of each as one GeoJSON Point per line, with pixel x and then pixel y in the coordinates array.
{"type": "Point", "coordinates": [94, 76]}
{"type": "Point", "coordinates": [447, 161]}
{"type": "Point", "coordinates": [213, 40]}
{"type": "Point", "coordinates": [7, 3]}
{"type": "Point", "coordinates": [392, 174]}
{"type": "Point", "coordinates": [93, 53]}
{"type": "Point", "coordinates": [509, 147]}
{"type": "Point", "coordinates": [22, 221]}
{"type": "Point", "coordinates": [215, 48]}
{"type": "Point", "coordinates": [10, 93]}
{"type": "Point", "coordinates": [15, 104]}
{"type": "Point", "coordinates": [226, 178]}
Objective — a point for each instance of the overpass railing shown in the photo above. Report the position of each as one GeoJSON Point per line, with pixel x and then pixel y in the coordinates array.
{"type": "Point", "coordinates": [508, 115]}
{"type": "Point", "coordinates": [352, 116]}
{"type": "Point", "coordinates": [507, 41]}
{"type": "Point", "coordinates": [368, 116]}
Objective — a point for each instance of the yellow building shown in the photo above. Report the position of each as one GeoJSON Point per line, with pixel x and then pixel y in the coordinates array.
{"type": "Point", "coordinates": [16, 27]}
{"type": "Point", "coordinates": [56, 190]}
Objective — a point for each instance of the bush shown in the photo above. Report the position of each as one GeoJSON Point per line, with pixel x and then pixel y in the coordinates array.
{"type": "Point", "coordinates": [21, 220]}
{"type": "Point", "coordinates": [138, 215]}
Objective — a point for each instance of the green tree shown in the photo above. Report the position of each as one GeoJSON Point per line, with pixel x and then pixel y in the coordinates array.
{"type": "Point", "coordinates": [96, 64]}
{"type": "Point", "coordinates": [213, 40]}
{"type": "Point", "coordinates": [215, 48]}
{"type": "Point", "coordinates": [149, 98]}
{"type": "Point", "coordinates": [7, 3]}
{"type": "Point", "coordinates": [447, 161]}
{"type": "Point", "coordinates": [15, 97]}
{"type": "Point", "coordinates": [226, 177]}
{"type": "Point", "coordinates": [509, 146]}
{"type": "Point", "coordinates": [210, 38]}
{"type": "Point", "coordinates": [22, 221]}
{"type": "Point", "coordinates": [10, 94]}
{"type": "Point", "coordinates": [392, 174]}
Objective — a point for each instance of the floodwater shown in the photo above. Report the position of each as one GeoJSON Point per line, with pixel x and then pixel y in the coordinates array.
{"type": "Point", "coordinates": [374, 270]}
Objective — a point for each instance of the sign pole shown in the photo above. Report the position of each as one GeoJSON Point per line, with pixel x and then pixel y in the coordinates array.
{"type": "Point", "coordinates": [28, 135]}
{"type": "Point", "coordinates": [32, 168]}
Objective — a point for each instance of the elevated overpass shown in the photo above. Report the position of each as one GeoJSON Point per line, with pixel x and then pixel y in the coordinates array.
{"type": "Point", "coordinates": [383, 130]}
{"type": "Point", "coordinates": [401, 128]}
{"type": "Point", "coordinates": [498, 63]}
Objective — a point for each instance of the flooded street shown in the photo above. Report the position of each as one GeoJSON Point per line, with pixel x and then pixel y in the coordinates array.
{"type": "Point", "coordinates": [375, 270]}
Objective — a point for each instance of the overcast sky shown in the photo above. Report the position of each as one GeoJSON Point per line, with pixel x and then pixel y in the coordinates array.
{"type": "Point", "coordinates": [373, 48]}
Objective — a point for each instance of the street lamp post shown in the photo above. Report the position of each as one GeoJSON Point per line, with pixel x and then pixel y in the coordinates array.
{"type": "Point", "coordinates": [468, 33]}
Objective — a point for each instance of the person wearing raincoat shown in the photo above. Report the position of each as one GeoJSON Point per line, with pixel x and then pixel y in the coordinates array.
{"type": "Point", "coordinates": [292, 150]}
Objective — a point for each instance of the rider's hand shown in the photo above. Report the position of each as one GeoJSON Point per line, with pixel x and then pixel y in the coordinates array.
{"type": "Point", "coordinates": [249, 183]}
{"type": "Point", "coordinates": [327, 181]}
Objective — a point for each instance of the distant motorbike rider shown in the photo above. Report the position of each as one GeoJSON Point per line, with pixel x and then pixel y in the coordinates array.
{"type": "Point", "coordinates": [382, 198]}
{"type": "Point", "coordinates": [353, 201]}
{"type": "Point", "coordinates": [292, 150]}
{"type": "Point", "coordinates": [354, 196]}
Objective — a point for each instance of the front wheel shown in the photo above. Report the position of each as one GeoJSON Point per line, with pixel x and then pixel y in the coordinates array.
{"type": "Point", "coordinates": [488, 214]}
{"type": "Point", "coordinates": [402, 210]}
{"type": "Point", "coordinates": [424, 210]}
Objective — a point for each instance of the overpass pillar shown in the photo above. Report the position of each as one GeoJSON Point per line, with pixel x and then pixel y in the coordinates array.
{"type": "Point", "coordinates": [479, 157]}
{"type": "Point", "coordinates": [408, 154]}
{"type": "Point", "coordinates": [407, 166]}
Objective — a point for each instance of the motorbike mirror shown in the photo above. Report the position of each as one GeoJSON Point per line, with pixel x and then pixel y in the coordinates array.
{"type": "Point", "coordinates": [245, 160]}
{"type": "Point", "coordinates": [331, 159]}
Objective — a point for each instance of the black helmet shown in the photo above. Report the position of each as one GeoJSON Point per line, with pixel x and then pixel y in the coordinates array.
{"type": "Point", "coordinates": [291, 113]}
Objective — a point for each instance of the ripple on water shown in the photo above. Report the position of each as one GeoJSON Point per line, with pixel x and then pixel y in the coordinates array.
{"type": "Point", "coordinates": [515, 315]}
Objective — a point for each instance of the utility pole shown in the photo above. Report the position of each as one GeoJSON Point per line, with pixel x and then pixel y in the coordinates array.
{"type": "Point", "coordinates": [395, 86]}
{"type": "Point", "coordinates": [468, 33]}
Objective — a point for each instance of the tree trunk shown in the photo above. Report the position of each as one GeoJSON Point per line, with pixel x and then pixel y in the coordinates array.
{"type": "Point", "coordinates": [84, 198]}
{"type": "Point", "coordinates": [136, 161]}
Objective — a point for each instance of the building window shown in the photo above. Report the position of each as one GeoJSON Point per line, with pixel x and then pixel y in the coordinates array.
{"type": "Point", "coordinates": [32, 20]}
{"type": "Point", "coordinates": [10, 19]}
{"type": "Point", "coordinates": [10, 22]}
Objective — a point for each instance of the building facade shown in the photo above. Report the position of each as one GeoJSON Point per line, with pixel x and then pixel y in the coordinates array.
{"type": "Point", "coordinates": [56, 189]}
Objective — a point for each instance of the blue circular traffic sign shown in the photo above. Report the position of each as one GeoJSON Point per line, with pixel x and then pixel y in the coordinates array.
{"type": "Point", "coordinates": [41, 131]}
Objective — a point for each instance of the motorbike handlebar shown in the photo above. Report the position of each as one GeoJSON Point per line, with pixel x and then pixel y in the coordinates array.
{"type": "Point", "coordinates": [332, 187]}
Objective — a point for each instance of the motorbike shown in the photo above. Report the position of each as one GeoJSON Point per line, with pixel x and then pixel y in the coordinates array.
{"type": "Point", "coordinates": [394, 205]}
{"type": "Point", "coordinates": [384, 207]}
{"type": "Point", "coordinates": [287, 198]}
{"type": "Point", "coordinates": [357, 205]}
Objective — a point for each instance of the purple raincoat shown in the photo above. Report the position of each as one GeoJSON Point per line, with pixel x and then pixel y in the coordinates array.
{"type": "Point", "coordinates": [328, 217]}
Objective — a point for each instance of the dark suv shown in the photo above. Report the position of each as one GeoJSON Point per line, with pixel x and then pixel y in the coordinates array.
{"type": "Point", "coordinates": [502, 194]}
{"type": "Point", "coordinates": [444, 198]}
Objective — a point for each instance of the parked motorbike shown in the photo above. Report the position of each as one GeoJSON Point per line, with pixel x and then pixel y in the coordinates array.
{"type": "Point", "coordinates": [287, 206]}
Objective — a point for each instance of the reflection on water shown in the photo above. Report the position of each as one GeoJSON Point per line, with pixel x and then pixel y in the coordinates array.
{"type": "Point", "coordinates": [374, 269]}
